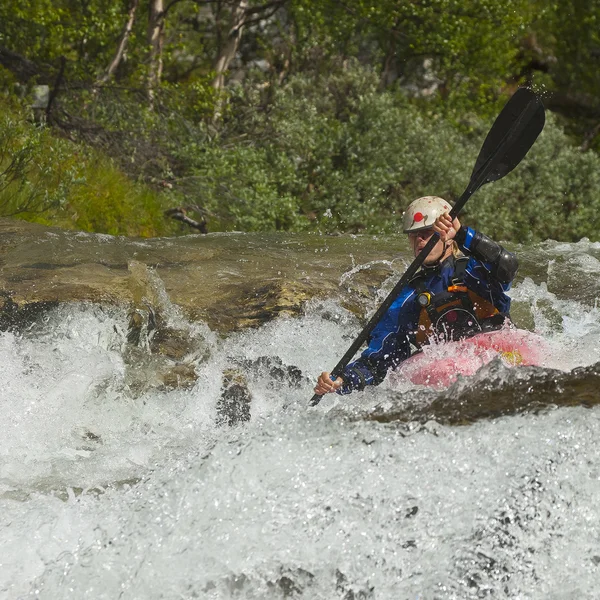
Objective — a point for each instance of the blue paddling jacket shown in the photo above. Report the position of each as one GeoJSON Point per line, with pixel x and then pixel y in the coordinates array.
{"type": "Point", "coordinates": [453, 299]}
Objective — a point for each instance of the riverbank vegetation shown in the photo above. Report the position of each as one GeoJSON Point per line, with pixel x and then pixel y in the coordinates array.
{"type": "Point", "coordinates": [138, 117]}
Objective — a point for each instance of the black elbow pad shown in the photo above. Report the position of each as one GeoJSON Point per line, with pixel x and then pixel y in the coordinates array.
{"type": "Point", "coordinates": [503, 263]}
{"type": "Point", "coordinates": [505, 269]}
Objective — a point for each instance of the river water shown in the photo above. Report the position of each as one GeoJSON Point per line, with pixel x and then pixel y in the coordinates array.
{"type": "Point", "coordinates": [489, 488]}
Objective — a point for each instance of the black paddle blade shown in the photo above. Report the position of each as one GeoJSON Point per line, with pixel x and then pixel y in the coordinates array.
{"type": "Point", "coordinates": [513, 133]}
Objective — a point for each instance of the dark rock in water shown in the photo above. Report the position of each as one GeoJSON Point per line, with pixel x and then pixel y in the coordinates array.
{"type": "Point", "coordinates": [348, 591]}
{"type": "Point", "coordinates": [284, 583]}
{"type": "Point", "coordinates": [292, 582]}
{"type": "Point", "coordinates": [159, 354]}
{"type": "Point", "coordinates": [15, 317]}
{"type": "Point", "coordinates": [271, 368]}
{"type": "Point", "coordinates": [533, 389]}
{"type": "Point", "coordinates": [135, 328]}
{"type": "Point", "coordinates": [233, 407]}
{"type": "Point", "coordinates": [180, 376]}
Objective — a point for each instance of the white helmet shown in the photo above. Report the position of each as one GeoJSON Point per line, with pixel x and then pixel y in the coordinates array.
{"type": "Point", "coordinates": [422, 213]}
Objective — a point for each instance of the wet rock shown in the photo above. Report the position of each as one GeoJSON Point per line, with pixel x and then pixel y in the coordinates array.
{"type": "Point", "coordinates": [180, 376]}
{"type": "Point", "coordinates": [165, 355]}
{"type": "Point", "coordinates": [230, 282]}
{"type": "Point", "coordinates": [15, 317]}
{"type": "Point", "coordinates": [137, 327]}
{"type": "Point", "coordinates": [271, 368]}
{"type": "Point", "coordinates": [533, 390]}
{"type": "Point", "coordinates": [292, 582]}
{"type": "Point", "coordinates": [349, 591]}
{"type": "Point", "coordinates": [233, 406]}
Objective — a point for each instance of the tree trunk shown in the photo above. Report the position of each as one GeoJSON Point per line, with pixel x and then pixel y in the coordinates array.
{"type": "Point", "coordinates": [389, 71]}
{"type": "Point", "coordinates": [155, 41]}
{"type": "Point", "coordinates": [228, 50]}
{"type": "Point", "coordinates": [116, 61]}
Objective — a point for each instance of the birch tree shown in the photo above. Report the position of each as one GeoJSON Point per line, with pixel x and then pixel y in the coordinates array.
{"type": "Point", "coordinates": [121, 46]}
{"type": "Point", "coordinates": [156, 24]}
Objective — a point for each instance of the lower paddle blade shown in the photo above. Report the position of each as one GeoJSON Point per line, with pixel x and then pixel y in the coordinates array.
{"type": "Point", "coordinates": [513, 133]}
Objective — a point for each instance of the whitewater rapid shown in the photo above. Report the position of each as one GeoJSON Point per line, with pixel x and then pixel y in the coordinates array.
{"type": "Point", "coordinates": [112, 490]}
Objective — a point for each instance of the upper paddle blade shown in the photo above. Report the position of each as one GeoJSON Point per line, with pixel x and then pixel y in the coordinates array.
{"type": "Point", "coordinates": [513, 133]}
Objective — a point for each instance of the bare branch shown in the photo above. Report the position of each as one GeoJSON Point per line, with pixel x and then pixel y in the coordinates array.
{"type": "Point", "coordinates": [260, 18]}
{"type": "Point", "coordinates": [179, 214]}
{"type": "Point", "coordinates": [227, 53]}
{"type": "Point", "coordinates": [122, 44]}
{"type": "Point", "coordinates": [277, 4]}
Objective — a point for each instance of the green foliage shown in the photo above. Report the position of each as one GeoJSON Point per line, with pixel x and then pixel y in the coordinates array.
{"type": "Point", "coordinates": [553, 194]}
{"type": "Point", "coordinates": [462, 49]}
{"type": "Point", "coordinates": [570, 32]}
{"type": "Point", "coordinates": [36, 169]}
{"type": "Point", "coordinates": [241, 187]}
{"type": "Point", "coordinates": [194, 101]}
{"type": "Point", "coordinates": [106, 201]}
{"type": "Point", "coordinates": [47, 179]}
{"type": "Point", "coordinates": [332, 153]}
{"type": "Point", "coordinates": [343, 113]}
{"type": "Point", "coordinates": [337, 154]}
{"type": "Point", "coordinates": [44, 30]}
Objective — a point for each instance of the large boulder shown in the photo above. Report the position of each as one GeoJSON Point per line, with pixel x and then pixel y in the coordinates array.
{"type": "Point", "coordinates": [230, 281]}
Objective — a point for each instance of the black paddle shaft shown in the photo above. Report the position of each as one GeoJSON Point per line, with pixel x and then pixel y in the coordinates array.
{"type": "Point", "coordinates": [513, 133]}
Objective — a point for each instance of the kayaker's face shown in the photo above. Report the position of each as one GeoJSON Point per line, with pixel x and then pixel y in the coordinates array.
{"type": "Point", "coordinates": [418, 240]}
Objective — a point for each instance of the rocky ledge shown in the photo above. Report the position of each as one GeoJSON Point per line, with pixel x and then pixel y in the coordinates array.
{"type": "Point", "coordinates": [229, 281]}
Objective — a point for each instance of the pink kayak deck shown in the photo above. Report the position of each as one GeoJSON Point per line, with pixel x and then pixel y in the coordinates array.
{"type": "Point", "coordinates": [438, 365]}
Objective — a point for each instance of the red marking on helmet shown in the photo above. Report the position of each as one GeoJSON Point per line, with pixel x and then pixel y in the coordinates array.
{"type": "Point", "coordinates": [418, 217]}
{"type": "Point", "coordinates": [451, 316]}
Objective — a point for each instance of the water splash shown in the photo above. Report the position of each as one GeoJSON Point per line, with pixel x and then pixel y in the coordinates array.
{"type": "Point", "coordinates": [109, 489]}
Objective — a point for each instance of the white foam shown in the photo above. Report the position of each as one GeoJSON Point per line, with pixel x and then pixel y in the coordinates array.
{"type": "Point", "coordinates": [107, 492]}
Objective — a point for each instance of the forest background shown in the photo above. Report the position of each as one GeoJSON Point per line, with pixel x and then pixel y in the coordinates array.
{"type": "Point", "coordinates": [167, 117]}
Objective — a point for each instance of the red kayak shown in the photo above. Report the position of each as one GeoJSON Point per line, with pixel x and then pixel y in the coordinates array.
{"type": "Point", "coordinates": [438, 365]}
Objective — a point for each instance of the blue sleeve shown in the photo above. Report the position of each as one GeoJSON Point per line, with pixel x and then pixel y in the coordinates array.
{"type": "Point", "coordinates": [478, 279]}
{"type": "Point", "coordinates": [388, 346]}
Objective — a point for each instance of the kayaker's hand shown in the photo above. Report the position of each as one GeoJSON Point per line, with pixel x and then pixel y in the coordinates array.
{"type": "Point", "coordinates": [446, 227]}
{"type": "Point", "coordinates": [325, 385]}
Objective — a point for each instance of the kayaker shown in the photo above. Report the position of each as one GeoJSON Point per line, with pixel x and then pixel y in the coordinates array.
{"type": "Point", "coordinates": [459, 291]}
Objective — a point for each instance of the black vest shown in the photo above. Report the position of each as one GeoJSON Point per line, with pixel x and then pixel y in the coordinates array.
{"type": "Point", "coordinates": [455, 313]}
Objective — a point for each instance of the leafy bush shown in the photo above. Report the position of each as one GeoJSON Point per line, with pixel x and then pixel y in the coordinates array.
{"type": "Point", "coordinates": [335, 153]}
{"type": "Point", "coordinates": [105, 200]}
{"type": "Point", "coordinates": [47, 179]}
{"type": "Point", "coordinates": [553, 194]}
{"type": "Point", "coordinates": [323, 152]}
{"type": "Point", "coordinates": [36, 169]}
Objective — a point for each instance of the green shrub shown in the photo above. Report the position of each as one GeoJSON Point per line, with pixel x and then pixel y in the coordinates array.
{"type": "Point", "coordinates": [106, 201]}
{"type": "Point", "coordinates": [36, 169]}
{"type": "Point", "coordinates": [50, 180]}
{"type": "Point", "coordinates": [335, 153]}
{"type": "Point", "coordinates": [323, 152]}
{"type": "Point", "coordinates": [553, 194]}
